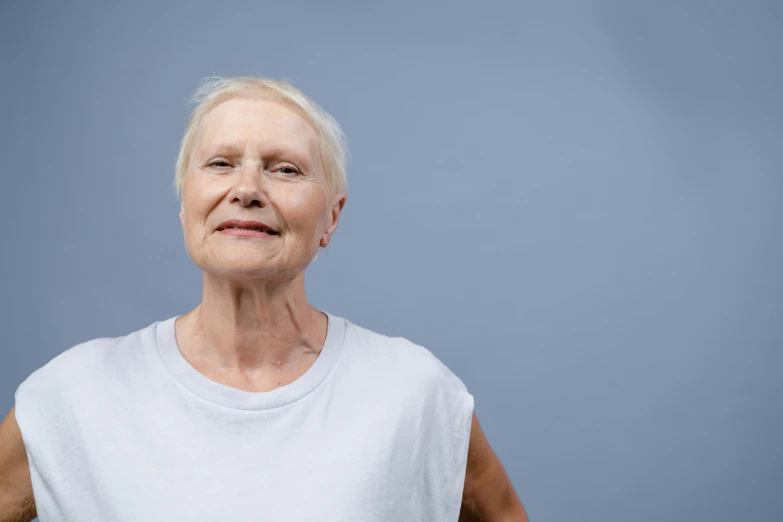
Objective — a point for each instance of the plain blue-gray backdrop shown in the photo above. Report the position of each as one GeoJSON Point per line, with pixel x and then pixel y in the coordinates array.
{"type": "Point", "coordinates": [577, 206]}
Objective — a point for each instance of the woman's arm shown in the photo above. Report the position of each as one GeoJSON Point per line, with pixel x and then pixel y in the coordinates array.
{"type": "Point", "coordinates": [488, 495]}
{"type": "Point", "coordinates": [16, 489]}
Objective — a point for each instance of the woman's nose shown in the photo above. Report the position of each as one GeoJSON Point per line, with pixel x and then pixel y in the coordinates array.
{"type": "Point", "coordinates": [251, 186]}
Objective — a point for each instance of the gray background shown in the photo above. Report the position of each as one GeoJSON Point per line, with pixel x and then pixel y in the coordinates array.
{"type": "Point", "coordinates": [576, 206]}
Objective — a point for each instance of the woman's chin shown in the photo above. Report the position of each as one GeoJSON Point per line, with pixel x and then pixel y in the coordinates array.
{"type": "Point", "coordinates": [246, 271]}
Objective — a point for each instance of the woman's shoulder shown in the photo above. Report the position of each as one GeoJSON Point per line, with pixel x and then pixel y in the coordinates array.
{"type": "Point", "coordinates": [399, 357]}
{"type": "Point", "coordinates": [408, 378]}
{"type": "Point", "coordinates": [85, 362]}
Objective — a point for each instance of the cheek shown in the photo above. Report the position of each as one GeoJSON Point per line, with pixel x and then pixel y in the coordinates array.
{"type": "Point", "coordinates": [304, 211]}
{"type": "Point", "coordinates": [198, 199]}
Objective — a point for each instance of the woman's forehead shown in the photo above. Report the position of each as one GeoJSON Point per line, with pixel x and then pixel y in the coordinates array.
{"type": "Point", "coordinates": [247, 121]}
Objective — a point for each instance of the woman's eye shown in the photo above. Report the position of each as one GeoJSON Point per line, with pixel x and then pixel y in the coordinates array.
{"type": "Point", "coordinates": [289, 171]}
{"type": "Point", "coordinates": [218, 163]}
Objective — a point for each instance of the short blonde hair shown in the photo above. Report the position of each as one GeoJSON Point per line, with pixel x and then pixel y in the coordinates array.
{"type": "Point", "coordinates": [216, 90]}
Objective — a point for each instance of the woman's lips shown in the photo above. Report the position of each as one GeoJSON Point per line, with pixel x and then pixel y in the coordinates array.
{"type": "Point", "coordinates": [244, 232]}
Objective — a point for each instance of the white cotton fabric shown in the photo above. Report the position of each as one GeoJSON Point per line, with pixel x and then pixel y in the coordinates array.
{"type": "Point", "coordinates": [125, 429]}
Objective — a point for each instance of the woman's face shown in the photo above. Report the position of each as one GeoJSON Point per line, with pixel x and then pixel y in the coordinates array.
{"type": "Point", "coordinates": [256, 160]}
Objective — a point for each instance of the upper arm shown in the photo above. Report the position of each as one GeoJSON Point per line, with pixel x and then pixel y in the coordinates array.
{"type": "Point", "coordinates": [16, 490]}
{"type": "Point", "coordinates": [488, 494]}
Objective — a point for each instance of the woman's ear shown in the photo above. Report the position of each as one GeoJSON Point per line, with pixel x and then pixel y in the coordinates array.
{"type": "Point", "coordinates": [334, 215]}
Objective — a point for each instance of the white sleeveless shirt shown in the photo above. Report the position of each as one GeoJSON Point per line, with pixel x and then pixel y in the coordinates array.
{"type": "Point", "coordinates": [125, 429]}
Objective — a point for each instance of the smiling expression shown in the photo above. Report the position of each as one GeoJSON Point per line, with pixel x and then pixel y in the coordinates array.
{"type": "Point", "coordinates": [256, 160]}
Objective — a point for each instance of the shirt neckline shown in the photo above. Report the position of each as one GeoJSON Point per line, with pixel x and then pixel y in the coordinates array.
{"type": "Point", "coordinates": [199, 384]}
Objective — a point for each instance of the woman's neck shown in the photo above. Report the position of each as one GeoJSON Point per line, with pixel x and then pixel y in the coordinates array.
{"type": "Point", "coordinates": [248, 327]}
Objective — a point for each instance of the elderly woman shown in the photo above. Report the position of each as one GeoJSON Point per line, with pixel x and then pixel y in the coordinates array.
{"type": "Point", "coordinates": [255, 405]}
